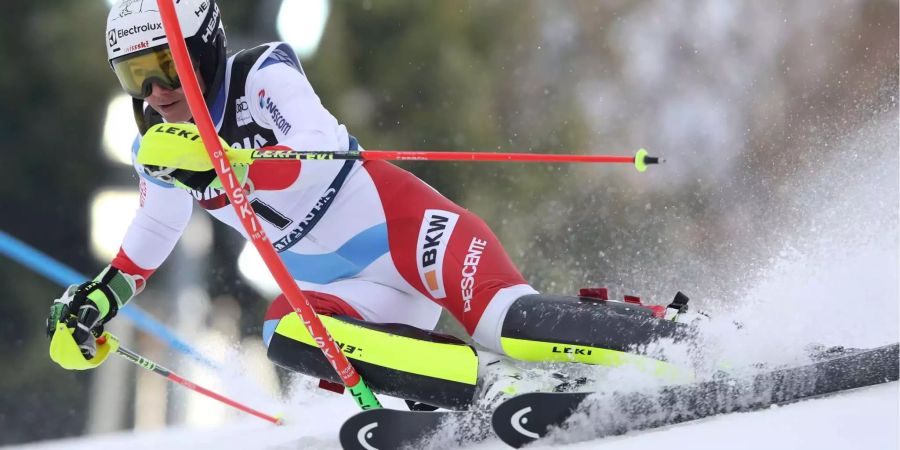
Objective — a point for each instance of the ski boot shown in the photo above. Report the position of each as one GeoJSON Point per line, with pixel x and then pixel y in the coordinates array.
{"type": "Point", "coordinates": [500, 378]}
{"type": "Point", "coordinates": [592, 329]}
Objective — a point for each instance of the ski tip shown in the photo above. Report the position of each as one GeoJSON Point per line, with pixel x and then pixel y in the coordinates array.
{"type": "Point", "coordinates": [279, 419]}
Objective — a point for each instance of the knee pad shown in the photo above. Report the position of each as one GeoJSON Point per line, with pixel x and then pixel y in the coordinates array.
{"type": "Point", "coordinates": [557, 328]}
{"type": "Point", "coordinates": [394, 359]}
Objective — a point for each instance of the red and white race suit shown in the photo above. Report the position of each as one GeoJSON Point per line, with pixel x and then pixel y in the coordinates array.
{"type": "Point", "coordinates": [364, 239]}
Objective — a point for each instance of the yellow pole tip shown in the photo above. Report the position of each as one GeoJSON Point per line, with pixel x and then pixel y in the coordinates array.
{"type": "Point", "coordinates": [640, 162]}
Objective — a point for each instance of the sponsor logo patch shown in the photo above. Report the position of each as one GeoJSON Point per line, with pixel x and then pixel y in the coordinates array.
{"type": "Point", "coordinates": [304, 226]}
{"type": "Point", "coordinates": [211, 25]}
{"type": "Point", "coordinates": [470, 267]}
{"type": "Point", "coordinates": [162, 128]}
{"type": "Point", "coordinates": [207, 194]}
{"type": "Point", "coordinates": [572, 350]}
{"type": "Point", "coordinates": [138, 46]}
{"type": "Point", "coordinates": [434, 235]}
{"type": "Point", "coordinates": [257, 142]}
{"type": "Point", "coordinates": [242, 112]}
{"type": "Point", "coordinates": [149, 26]}
{"type": "Point", "coordinates": [266, 104]}
{"type": "Point", "coordinates": [143, 191]}
{"type": "Point", "coordinates": [201, 9]}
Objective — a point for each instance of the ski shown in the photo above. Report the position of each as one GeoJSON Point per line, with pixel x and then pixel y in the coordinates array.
{"type": "Point", "coordinates": [395, 429]}
{"type": "Point", "coordinates": [528, 417]}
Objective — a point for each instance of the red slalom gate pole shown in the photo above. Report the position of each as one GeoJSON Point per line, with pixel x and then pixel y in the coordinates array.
{"type": "Point", "coordinates": [235, 192]}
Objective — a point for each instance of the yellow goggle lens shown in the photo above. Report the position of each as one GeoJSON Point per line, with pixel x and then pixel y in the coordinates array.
{"type": "Point", "coordinates": [136, 71]}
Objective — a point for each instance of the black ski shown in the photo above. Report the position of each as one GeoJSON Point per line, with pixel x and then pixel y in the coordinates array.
{"type": "Point", "coordinates": [526, 418]}
{"type": "Point", "coordinates": [394, 429]}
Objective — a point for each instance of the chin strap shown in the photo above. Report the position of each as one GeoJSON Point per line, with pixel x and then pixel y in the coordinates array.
{"type": "Point", "coordinates": [137, 108]}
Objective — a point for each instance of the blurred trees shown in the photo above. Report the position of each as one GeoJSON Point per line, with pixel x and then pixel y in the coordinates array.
{"type": "Point", "coordinates": [54, 87]}
{"type": "Point", "coordinates": [745, 100]}
{"type": "Point", "coordinates": [738, 96]}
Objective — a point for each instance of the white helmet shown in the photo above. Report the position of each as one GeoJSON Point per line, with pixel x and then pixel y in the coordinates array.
{"type": "Point", "coordinates": [138, 51]}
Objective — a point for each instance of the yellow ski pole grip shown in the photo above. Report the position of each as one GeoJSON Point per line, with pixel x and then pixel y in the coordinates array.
{"type": "Point", "coordinates": [65, 352]}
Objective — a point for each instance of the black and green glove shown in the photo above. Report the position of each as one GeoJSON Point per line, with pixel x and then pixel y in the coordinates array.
{"type": "Point", "coordinates": [78, 316]}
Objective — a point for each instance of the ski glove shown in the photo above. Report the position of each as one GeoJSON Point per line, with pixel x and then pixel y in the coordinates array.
{"type": "Point", "coordinates": [78, 316]}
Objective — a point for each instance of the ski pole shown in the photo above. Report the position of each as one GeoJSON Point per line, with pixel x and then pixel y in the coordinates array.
{"type": "Point", "coordinates": [235, 192]}
{"type": "Point", "coordinates": [172, 376]}
{"type": "Point", "coordinates": [157, 149]}
{"type": "Point", "coordinates": [640, 159]}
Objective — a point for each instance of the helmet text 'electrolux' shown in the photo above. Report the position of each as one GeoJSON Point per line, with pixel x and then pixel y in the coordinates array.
{"type": "Point", "coordinates": [149, 26]}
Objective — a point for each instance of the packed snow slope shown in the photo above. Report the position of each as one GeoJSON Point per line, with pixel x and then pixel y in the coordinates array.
{"type": "Point", "coordinates": [866, 419]}
{"type": "Point", "coordinates": [850, 300]}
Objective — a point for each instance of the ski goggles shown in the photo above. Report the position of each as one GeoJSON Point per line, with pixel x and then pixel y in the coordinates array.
{"type": "Point", "coordinates": [138, 71]}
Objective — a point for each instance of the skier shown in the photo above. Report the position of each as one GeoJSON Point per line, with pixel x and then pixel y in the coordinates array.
{"type": "Point", "coordinates": [378, 252]}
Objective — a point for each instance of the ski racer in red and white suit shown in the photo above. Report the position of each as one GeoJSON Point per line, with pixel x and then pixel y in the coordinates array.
{"type": "Point", "coordinates": [364, 240]}
{"type": "Point", "coordinates": [378, 244]}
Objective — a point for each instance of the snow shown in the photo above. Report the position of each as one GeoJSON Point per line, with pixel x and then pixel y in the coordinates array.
{"type": "Point", "coordinates": [866, 418]}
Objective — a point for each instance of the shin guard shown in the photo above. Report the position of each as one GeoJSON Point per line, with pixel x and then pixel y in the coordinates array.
{"type": "Point", "coordinates": [393, 359]}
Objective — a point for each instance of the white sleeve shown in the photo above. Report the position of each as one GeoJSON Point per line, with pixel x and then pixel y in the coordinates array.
{"type": "Point", "coordinates": [284, 101]}
{"type": "Point", "coordinates": [162, 217]}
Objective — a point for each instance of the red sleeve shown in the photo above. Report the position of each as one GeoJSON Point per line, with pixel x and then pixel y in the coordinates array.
{"type": "Point", "coordinates": [126, 265]}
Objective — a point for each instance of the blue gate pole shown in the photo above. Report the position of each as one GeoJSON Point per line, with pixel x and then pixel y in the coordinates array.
{"type": "Point", "coordinates": [63, 275]}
